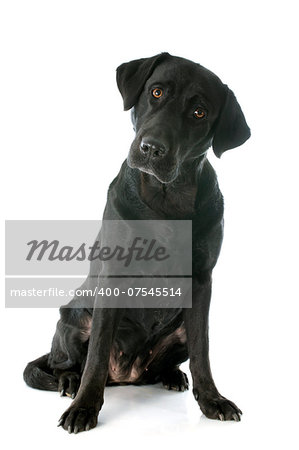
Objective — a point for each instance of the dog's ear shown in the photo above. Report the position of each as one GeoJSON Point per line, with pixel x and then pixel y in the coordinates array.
{"type": "Point", "coordinates": [131, 77]}
{"type": "Point", "coordinates": [231, 129]}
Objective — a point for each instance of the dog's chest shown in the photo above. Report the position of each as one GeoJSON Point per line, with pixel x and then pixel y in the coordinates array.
{"type": "Point", "coordinates": [171, 202]}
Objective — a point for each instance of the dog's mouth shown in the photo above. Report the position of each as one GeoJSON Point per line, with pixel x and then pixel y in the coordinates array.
{"type": "Point", "coordinates": [164, 169]}
{"type": "Point", "coordinates": [163, 174]}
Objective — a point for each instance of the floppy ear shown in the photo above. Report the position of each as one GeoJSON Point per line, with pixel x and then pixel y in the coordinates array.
{"type": "Point", "coordinates": [231, 128]}
{"type": "Point", "coordinates": [131, 77]}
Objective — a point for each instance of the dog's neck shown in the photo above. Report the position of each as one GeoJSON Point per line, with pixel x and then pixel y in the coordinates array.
{"type": "Point", "coordinates": [178, 198]}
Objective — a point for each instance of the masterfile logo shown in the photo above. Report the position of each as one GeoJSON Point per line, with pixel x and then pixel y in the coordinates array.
{"type": "Point", "coordinates": [125, 262]}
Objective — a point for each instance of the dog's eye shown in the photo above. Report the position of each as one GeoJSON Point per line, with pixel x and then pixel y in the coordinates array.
{"type": "Point", "coordinates": [157, 93]}
{"type": "Point", "coordinates": [199, 113]}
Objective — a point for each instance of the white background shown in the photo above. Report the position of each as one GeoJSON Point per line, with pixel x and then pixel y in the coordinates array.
{"type": "Point", "coordinates": [63, 138]}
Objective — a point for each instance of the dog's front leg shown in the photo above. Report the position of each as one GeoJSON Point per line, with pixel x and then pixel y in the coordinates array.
{"type": "Point", "coordinates": [83, 412]}
{"type": "Point", "coordinates": [212, 404]}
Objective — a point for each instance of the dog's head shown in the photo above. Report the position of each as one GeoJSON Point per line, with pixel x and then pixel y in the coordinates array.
{"type": "Point", "coordinates": [179, 110]}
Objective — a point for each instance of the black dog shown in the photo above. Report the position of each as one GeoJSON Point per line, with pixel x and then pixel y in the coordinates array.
{"type": "Point", "coordinates": [179, 110]}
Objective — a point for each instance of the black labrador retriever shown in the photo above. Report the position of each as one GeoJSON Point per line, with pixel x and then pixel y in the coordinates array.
{"type": "Point", "coordinates": [179, 110]}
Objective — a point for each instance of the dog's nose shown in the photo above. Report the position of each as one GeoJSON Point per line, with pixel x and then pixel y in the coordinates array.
{"type": "Point", "coordinates": [152, 148]}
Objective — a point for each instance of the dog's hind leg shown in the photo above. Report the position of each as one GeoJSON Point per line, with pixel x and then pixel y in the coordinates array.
{"type": "Point", "coordinates": [165, 364]}
{"type": "Point", "coordinates": [61, 369]}
{"type": "Point", "coordinates": [68, 381]}
{"type": "Point", "coordinates": [175, 379]}
{"type": "Point", "coordinates": [38, 375]}
{"type": "Point", "coordinates": [171, 376]}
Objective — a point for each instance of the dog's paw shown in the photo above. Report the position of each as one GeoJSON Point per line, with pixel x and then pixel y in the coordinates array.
{"type": "Point", "coordinates": [218, 407]}
{"type": "Point", "coordinates": [76, 419]}
{"type": "Point", "coordinates": [68, 384]}
{"type": "Point", "coordinates": [175, 380]}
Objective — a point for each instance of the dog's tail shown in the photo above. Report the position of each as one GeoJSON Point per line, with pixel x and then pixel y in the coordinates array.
{"type": "Point", "coordinates": [39, 375]}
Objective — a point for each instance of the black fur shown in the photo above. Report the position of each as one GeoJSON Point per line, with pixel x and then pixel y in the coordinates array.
{"type": "Point", "coordinates": [166, 176]}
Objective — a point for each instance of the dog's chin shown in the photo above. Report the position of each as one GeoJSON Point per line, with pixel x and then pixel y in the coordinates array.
{"type": "Point", "coordinates": [165, 179]}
